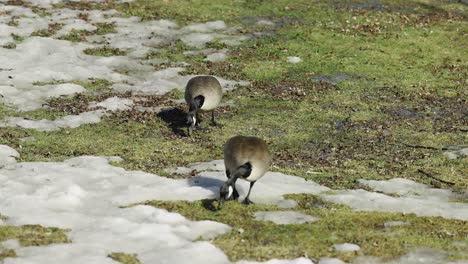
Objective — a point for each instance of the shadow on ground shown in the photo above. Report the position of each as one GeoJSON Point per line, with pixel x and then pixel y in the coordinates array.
{"type": "Point", "coordinates": [176, 119]}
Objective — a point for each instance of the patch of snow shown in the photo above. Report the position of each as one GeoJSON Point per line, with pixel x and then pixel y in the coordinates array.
{"type": "Point", "coordinates": [30, 97]}
{"type": "Point", "coordinates": [460, 153]}
{"type": "Point", "coordinates": [450, 155]}
{"type": "Point", "coordinates": [165, 80]}
{"type": "Point", "coordinates": [84, 194]}
{"type": "Point", "coordinates": [394, 223]}
{"type": "Point", "coordinates": [279, 261]}
{"type": "Point", "coordinates": [81, 194]}
{"type": "Point", "coordinates": [419, 256]}
{"type": "Point", "coordinates": [229, 85]}
{"type": "Point", "coordinates": [10, 244]}
{"type": "Point", "coordinates": [114, 104]}
{"type": "Point", "coordinates": [26, 20]}
{"type": "Point", "coordinates": [216, 57]}
{"type": "Point", "coordinates": [204, 51]}
{"type": "Point", "coordinates": [269, 189]}
{"type": "Point", "coordinates": [463, 152]}
{"type": "Point", "coordinates": [198, 40]}
{"type": "Point", "coordinates": [287, 203]}
{"type": "Point", "coordinates": [39, 59]}
{"type": "Point", "coordinates": [75, 24]}
{"type": "Point", "coordinates": [413, 197]}
{"type": "Point", "coordinates": [69, 121]}
{"type": "Point", "coordinates": [331, 261]}
{"type": "Point", "coordinates": [43, 59]}
{"type": "Point", "coordinates": [7, 155]}
{"type": "Point", "coordinates": [408, 188]}
{"type": "Point", "coordinates": [462, 244]}
{"type": "Point", "coordinates": [346, 247]}
{"type": "Point", "coordinates": [43, 3]}
{"type": "Point", "coordinates": [214, 165]}
{"type": "Point", "coordinates": [285, 217]}
{"type": "Point", "coordinates": [178, 170]}
{"type": "Point", "coordinates": [27, 139]}
{"type": "Point", "coordinates": [232, 40]}
{"type": "Point", "coordinates": [206, 27]}
{"type": "Point", "coordinates": [294, 59]}
{"type": "Point", "coordinates": [265, 22]}
{"type": "Point", "coordinates": [158, 82]}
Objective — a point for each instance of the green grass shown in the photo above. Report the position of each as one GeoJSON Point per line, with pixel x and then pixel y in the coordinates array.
{"type": "Point", "coordinates": [337, 224]}
{"type": "Point", "coordinates": [398, 98]}
{"type": "Point", "coordinates": [30, 235]}
{"type": "Point", "coordinates": [104, 51]}
{"type": "Point", "coordinates": [124, 258]}
{"type": "Point", "coordinates": [92, 84]}
{"type": "Point", "coordinates": [80, 35]}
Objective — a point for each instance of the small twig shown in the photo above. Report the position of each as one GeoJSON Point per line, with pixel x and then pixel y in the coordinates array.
{"type": "Point", "coordinates": [423, 147]}
{"type": "Point", "coordinates": [434, 178]}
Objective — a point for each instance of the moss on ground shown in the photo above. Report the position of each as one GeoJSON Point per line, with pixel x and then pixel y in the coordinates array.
{"type": "Point", "coordinates": [30, 235]}
{"type": "Point", "coordinates": [104, 51]}
{"type": "Point", "coordinates": [124, 258]}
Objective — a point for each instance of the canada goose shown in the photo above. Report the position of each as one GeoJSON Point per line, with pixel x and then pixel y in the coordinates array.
{"type": "Point", "coordinates": [244, 157]}
{"type": "Point", "coordinates": [202, 93]}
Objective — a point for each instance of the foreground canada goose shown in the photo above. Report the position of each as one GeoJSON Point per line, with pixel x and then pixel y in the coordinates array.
{"type": "Point", "coordinates": [244, 157]}
{"type": "Point", "coordinates": [202, 93]}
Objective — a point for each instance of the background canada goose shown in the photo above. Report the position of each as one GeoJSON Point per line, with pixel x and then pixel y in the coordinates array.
{"type": "Point", "coordinates": [202, 93]}
{"type": "Point", "coordinates": [247, 158]}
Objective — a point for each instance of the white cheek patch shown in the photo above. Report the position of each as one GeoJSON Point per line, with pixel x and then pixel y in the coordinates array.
{"type": "Point", "coordinates": [231, 190]}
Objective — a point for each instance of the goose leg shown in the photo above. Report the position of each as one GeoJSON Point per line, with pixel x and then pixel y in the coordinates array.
{"type": "Point", "coordinates": [213, 121]}
{"type": "Point", "coordinates": [247, 200]}
{"type": "Point", "coordinates": [197, 123]}
{"type": "Point", "coordinates": [235, 194]}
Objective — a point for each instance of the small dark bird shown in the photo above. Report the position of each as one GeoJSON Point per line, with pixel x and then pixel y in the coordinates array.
{"type": "Point", "coordinates": [202, 93]}
{"type": "Point", "coordinates": [247, 158]}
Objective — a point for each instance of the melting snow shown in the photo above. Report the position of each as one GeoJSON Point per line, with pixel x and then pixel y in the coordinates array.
{"type": "Point", "coordinates": [31, 97]}
{"type": "Point", "coordinates": [413, 197]}
{"type": "Point", "coordinates": [346, 247]}
{"type": "Point", "coordinates": [114, 103]}
{"type": "Point", "coordinates": [288, 203]}
{"type": "Point", "coordinates": [276, 261]}
{"type": "Point", "coordinates": [330, 261]}
{"type": "Point", "coordinates": [294, 59]}
{"type": "Point", "coordinates": [419, 256]}
{"type": "Point", "coordinates": [285, 217]}
{"type": "Point", "coordinates": [7, 155]}
{"type": "Point", "coordinates": [84, 195]}
{"type": "Point", "coordinates": [69, 121]}
{"type": "Point", "coordinates": [460, 153]}
{"type": "Point", "coordinates": [269, 189]}
{"type": "Point", "coordinates": [394, 223]}
{"type": "Point", "coordinates": [40, 59]}
{"type": "Point", "coordinates": [265, 22]}
{"type": "Point", "coordinates": [216, 57]}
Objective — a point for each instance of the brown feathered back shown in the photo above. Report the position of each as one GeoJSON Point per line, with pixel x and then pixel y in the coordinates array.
{"type": "Point", "coordinates": [207, 86]}
{"type": "Point", "coordinates": [239, 150]}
